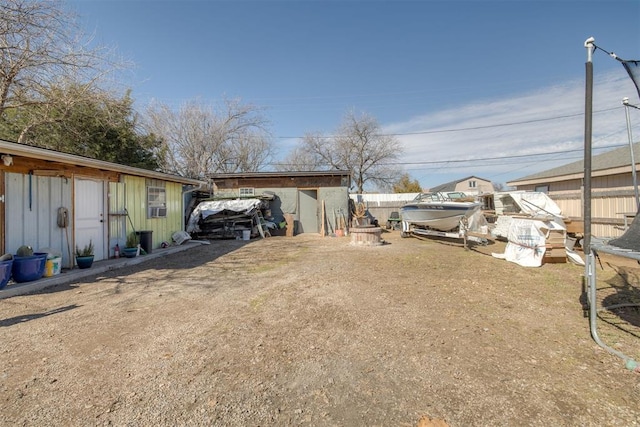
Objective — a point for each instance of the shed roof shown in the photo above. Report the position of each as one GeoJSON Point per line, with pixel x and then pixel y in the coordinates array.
{"type": "Point", "coordinates": [29, 151]}
{"type": "Point", "coordinates": [610, 160]}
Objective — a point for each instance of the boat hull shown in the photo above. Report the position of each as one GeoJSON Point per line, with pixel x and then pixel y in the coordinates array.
{"type": "Point", "coordinates": [438, 216]}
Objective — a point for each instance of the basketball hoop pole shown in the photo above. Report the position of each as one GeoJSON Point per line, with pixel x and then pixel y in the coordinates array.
{"type": "Point", "coordinates": [588, 113]}
{"type": "Point", "coordinates": [625, 102]}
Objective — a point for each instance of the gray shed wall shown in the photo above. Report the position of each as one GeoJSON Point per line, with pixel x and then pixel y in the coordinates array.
{"type": "Point", "coordinates": [335, 198]}
{"type": "Point", "coordinates": [336, 201]}
{"type": "Point", "coordinates": [32, 210]}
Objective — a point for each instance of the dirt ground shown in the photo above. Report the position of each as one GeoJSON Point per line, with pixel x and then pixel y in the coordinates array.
{"type": "Point", "coordinates": [314, 331]}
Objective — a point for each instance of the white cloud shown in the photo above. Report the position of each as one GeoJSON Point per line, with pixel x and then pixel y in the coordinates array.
{"type": "Point", "coordinates": [547, 120]}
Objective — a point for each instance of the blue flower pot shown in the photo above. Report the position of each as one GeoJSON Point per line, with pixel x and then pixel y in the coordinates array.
{"type": "Point", "coordinates": [84, 261]}
{"type": "Point", "coordinates": [5, 272]}
{"type": "Point", "coordinates": [130, 252]}
{"type": "Point", "coordinates": [28, 268]}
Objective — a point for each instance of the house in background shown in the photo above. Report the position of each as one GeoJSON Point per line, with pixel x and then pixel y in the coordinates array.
{"type": "Point", "coordinates": [300, 194]}
{"type": "Point", "coordinates": [612, 189]}
{"type": "Point", "coordinates": [471, 185]}
{"type": "Point", "coordinates": [56, 201]}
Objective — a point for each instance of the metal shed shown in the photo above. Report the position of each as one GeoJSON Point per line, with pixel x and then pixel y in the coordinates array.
{"type": "Point", "coordinates": [56, 200]}
{"type": "Point", "coordinates": [300, 194]}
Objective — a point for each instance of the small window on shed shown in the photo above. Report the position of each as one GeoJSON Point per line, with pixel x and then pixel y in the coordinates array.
{"type": "Point", "coordinates": [472, 184]}
{"type": "Point", "coordinates": [246, 192]}
{"type": "Point", "coordinates": [156, 202]}
{"type": "Point", "coordinates": [542, 189]}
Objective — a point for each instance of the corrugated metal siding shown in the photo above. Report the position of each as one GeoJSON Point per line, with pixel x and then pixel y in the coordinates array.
{"type": "Point", "coordinates": [136, 205]}
{"type": "Point", "coordinates": [164, 228]}
{"type": "Point", "coordinates": [336, 204]}
{"type": "Point", "coordinates": [32, 211]}
{"type": "Point", "coordinates": [117, 221]}
{"type": "Point", "coordinates": [566, 187]}
{"type": "Point", "coordinates": [613, 182]}
{"type": "Point", "coordinates": [612, 195]}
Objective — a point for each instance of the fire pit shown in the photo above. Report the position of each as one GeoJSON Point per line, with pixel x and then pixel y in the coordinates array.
{"type": "Point", "coordinates": [363, 231]}
{"type": "Point", "coordinates": [365, 235]}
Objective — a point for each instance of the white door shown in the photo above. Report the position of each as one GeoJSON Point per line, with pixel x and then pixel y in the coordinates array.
{"type": "Point", "coordinates": [89, 215]}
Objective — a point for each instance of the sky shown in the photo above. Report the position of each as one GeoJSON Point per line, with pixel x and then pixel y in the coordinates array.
{"type": "Point", "coordinates": [492, 89]}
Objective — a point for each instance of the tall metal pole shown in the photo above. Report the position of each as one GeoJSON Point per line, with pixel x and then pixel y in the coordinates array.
{"type": "Point", "coordinates": [588, 113]}
{"type": "Point", "coordinates": [625, 102]}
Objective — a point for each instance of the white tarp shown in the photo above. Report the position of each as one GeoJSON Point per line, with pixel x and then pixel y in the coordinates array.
{"type": "Point", "coordinates": [536, 203]}
{"type": "Point", "coordinates": [205, 209]}
{"type": "Point", "coordinates": [529, 203]}
{"type": "Point", "coordinates": [527, 241]}
{"type": "Point", "coordinates": [533, 203]}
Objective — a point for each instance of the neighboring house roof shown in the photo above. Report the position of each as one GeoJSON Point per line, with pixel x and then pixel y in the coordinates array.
{"type": "Point", "coordinates": [451, 186]}
{"type": "Point", "coordinates": [615, 161]}
{"type": "Point", "coordinates": [279, 174]}
{"type": "Point", "coordinates": [32, 152]}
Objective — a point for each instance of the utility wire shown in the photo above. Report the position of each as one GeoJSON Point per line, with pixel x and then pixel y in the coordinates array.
{"type": "Point", "coordinates": [436, 162]}
{"type": "Point", "coordinates": [497, 125]}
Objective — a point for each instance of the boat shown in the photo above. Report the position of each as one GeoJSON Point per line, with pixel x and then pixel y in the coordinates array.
{"type": "Point", "coordinates": [438, 211]}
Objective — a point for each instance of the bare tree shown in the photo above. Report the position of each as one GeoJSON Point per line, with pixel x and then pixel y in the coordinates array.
{"type": "Point", "coordinates": [43, 51]}
{"type": "Point", "coordinates": [358, 146]}
{"type": "Point", "coordinates": [199, 139]}
{"type": "Point", "coordinates": [301, 158]}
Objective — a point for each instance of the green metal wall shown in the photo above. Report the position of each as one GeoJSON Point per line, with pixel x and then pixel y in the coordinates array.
{"type": "Point", "coordinates": [136, 205]}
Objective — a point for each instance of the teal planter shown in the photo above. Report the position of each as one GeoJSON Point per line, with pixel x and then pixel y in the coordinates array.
{"type": "Point", "coordinates": [84, 261]}
{"type": "Point", "coordinates": [130, 252]}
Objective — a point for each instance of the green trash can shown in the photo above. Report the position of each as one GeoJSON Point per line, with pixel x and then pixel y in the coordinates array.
{"type": "Point", "coordinates": [146, 240]}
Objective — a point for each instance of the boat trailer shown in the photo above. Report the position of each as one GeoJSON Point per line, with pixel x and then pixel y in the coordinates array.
{"type": "Point", "coordinates": [461, 232]}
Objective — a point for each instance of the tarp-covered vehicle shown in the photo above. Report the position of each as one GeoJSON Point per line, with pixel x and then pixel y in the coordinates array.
{"type": "Point", "coordinates": [229, 219]}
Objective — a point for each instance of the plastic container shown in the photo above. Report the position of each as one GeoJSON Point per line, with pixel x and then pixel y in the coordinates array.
{"type": "Point", "coordinates": [246, 234]}
{"type": "Point", "coordinates": [28, 268]}
{"type": "Point", "coordinates": [53, 266]}
{"type": "Point", "coordinates": [5, 272]}
{"type": "Point", "coordinates": [146, 240]}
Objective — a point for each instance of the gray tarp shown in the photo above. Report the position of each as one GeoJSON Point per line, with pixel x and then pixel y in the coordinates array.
{"type": "Point", "coordinates": [205, 209]}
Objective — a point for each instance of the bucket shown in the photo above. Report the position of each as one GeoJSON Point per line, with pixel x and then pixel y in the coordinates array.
{"type": "Point", "coordinates": [53, 266]}
{"type": "Point", "coordinates": [28, 268]}
{"type": "Point", "coordinates": [5, 272]}
{"type": "Point", "coordinates": [146, 240]}
{"type": "Point", "coordinates": [246, 234]}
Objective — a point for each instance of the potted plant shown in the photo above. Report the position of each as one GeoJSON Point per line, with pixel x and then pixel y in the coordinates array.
{"type": "Point", "coordinates": [84, 256]}
{"type": "Point", "coordinates": [131, 246]}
